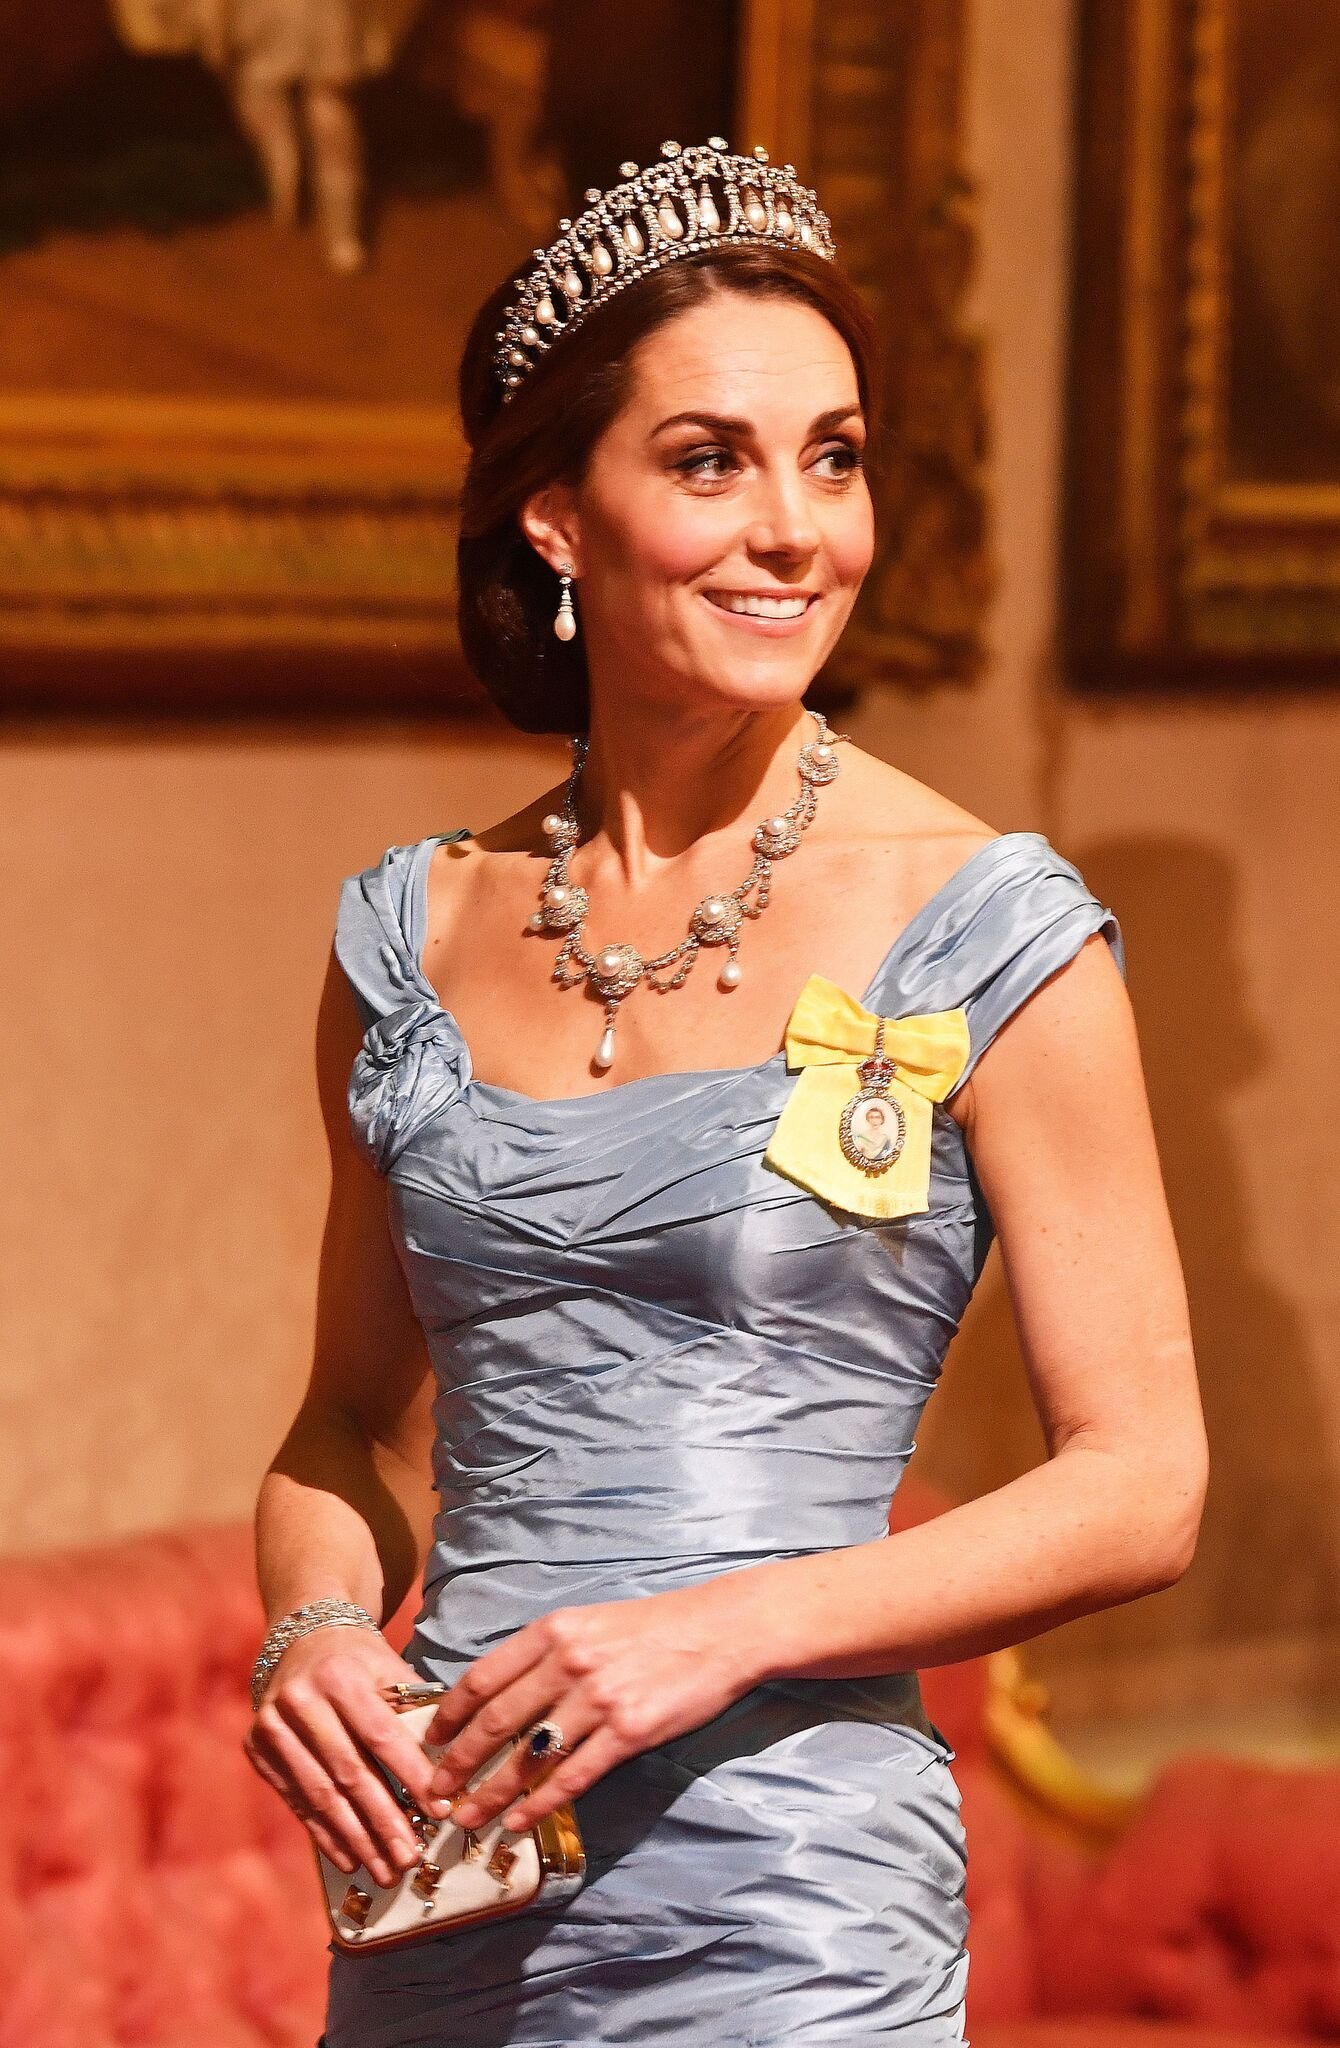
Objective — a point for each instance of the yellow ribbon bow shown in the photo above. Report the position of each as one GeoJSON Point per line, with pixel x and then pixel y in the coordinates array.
{"type": "Point", "coordinates": [828, 1034]}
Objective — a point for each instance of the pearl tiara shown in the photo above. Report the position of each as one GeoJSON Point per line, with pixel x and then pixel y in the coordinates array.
{"type": "Point", "coordinates": [651, 217]}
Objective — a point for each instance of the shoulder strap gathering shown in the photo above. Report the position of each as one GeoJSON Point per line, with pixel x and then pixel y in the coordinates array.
{"type": "Point", "coordinates": [1021, 911]}
{"type": "Point", "coordinates": [378, 939]}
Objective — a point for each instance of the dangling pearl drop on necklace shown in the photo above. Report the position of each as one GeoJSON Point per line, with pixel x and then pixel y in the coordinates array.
{"type": "Point", "coordinates": [615, 971]}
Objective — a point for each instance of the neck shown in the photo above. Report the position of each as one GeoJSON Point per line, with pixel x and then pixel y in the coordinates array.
{"type": "Point", "coordinates": [656, 782]}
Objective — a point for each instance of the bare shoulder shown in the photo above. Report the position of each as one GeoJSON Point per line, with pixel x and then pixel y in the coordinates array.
{"type": "Point", "coordinates": [463, 872]}
{"type": "Point", "coordinates": [925, 834]}
{"type": "Point", "coordinates": [520, 831]}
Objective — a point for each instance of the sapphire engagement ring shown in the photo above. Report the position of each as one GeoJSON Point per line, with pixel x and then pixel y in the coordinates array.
{"type": "Point", "coordinates": [545, 1739]}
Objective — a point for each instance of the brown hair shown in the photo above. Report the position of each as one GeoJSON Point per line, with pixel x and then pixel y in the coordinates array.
{"type": "Point", "coordinates": [507, 593]}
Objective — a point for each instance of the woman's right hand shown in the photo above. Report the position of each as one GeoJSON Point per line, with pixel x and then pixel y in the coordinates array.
{"type": "Point", "coordinates": [320, 1720]}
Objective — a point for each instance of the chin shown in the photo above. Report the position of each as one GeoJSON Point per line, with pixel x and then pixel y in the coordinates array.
{"type": "Point", "coordinates": [764, 692]}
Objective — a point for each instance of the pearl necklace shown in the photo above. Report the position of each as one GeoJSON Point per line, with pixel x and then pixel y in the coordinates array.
{"type": "Point", "coordinates": [717, 920]}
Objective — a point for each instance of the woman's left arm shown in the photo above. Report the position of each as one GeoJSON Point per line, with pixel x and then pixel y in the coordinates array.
{"type": "Point", "coordinates": [1058, 1125]}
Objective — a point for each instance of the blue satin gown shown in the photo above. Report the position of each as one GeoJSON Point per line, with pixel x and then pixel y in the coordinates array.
{"type": "Point", "coordinates": [658, 1359]}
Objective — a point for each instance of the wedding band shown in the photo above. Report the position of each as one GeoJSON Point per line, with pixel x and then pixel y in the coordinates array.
{"type": "Point", "coordinates": [545, 1739]}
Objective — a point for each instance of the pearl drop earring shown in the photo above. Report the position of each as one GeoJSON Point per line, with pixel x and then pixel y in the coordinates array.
{"type": "Point", "coordinates": [565, 624]}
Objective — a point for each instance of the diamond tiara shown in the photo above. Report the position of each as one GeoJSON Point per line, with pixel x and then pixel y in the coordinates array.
{"type": "Point", "coordinates": [653, 216]}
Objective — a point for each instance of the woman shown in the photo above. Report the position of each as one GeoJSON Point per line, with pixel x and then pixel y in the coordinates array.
{"type": "Point", "coordinates": [681, 1323]}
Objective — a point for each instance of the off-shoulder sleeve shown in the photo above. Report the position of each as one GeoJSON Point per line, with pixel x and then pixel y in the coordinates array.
{"type": "Point", "coordinates": [413, 1062]}
{"type": "Point", "coordinates": [372, 927]}
{"type": "Point", "coordinates": [1033, 914]}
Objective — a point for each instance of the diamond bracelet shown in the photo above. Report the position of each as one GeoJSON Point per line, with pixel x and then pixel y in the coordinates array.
{"type": "Point", "coordinates": [300, 1622]}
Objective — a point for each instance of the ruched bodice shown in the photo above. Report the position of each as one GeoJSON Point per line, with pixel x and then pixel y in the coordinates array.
{"type": "Point", "coordinates": [657, 1359]}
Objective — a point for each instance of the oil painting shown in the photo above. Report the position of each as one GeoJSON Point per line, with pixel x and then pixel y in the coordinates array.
{"type": "Point", "coordinates": [241, 242]}
{"type": "Point", "coordinates": [1203, 523]}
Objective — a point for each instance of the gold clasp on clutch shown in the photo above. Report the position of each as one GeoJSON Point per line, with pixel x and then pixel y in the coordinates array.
{"type": "Point", "coordinates": [500, 1863]}
{"type": "Point", "coordinates": [426, 1880]}
{"type": "Point", "coordinates": [403, 1695]}
{"type": "Point", "coordinates": [356, 1905]}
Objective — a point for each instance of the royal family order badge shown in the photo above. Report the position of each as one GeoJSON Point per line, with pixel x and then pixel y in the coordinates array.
{"type": "Point", "coordinates": [858, 1124]}
{"type": "Point", "coordinates": [872, 1129]}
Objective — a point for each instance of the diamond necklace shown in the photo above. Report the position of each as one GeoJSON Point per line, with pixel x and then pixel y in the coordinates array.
{"type": "Point", "coordinates": [615, 971]}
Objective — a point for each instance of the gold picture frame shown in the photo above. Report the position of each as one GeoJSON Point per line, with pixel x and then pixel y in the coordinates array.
{"type": "Point", "coordinates": [200, 554]}
{"type": "Point", "coordinates": [866, 97]}
{"type": "Point", "coordinates": [146, 545]}
{"type": "Point", "coordinates": [1203, 495]}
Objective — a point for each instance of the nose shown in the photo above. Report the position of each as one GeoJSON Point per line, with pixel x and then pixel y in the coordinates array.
{"type": "Point", "coordinates": [784, 521]}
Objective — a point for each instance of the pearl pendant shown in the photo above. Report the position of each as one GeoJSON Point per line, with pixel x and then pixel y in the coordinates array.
{"type": "Point", "coordinates": [716, 920]}
{"type": "Point", "coordinates": [565, 625]}
{"type": "Point", "coordinates": [708, 217]}
{"type": "Point", "coordinates": [634, 239]}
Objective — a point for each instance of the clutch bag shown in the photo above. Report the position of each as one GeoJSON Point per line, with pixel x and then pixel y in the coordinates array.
{"type": "Point", "coordinates": [464, 1875]}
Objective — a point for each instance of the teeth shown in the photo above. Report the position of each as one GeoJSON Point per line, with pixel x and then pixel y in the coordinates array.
{"type": "Point", "coordinates": [762, 607]}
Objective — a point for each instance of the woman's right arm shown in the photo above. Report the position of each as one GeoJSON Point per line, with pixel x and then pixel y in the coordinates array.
{"type": "Point", "coordinates": [345, 1509]}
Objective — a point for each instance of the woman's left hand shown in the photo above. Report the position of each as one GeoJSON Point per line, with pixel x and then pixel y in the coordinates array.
{"type": "Point", "coordinates": [617, 1677]}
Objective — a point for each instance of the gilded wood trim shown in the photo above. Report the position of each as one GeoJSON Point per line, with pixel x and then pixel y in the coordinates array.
{"type": "Point", "coordinates": [1146, 142]}
{"type": "Point", "coordinates": [1234, 536]}
{"type": "Point", "coordinates": [776, 79]}
{"type": "Point", "coordinates": [1038, 1765]}
{"type": "Point", "coordinates": [866, 98]}
{"type": "Point", "coordinates": [1207, 280]}
{"type": "Point", "coordinates": [139, 523]}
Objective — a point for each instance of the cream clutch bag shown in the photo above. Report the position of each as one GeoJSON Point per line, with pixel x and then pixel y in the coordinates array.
{"type": "Point", "coordinates": [463, 1875]}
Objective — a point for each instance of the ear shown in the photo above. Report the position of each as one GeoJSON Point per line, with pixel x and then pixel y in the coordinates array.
{"type": "Point", "coordinates": [548, 518]}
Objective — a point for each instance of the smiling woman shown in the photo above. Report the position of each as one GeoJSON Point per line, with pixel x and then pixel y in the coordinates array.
{"type": "Point", "coordinates": [631, 1369]}
{"type": "Point", "coordinates": [761, 608]}
{"type": "Point", "coordinates": [570, 400]}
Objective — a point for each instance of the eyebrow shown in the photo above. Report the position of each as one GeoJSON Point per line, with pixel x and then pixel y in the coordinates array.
{"type": "Point", "coordinates": [727, 424]}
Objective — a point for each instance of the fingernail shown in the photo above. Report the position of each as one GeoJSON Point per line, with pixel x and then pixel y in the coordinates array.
{"type": "Point", "coordinates": [515, 1819]}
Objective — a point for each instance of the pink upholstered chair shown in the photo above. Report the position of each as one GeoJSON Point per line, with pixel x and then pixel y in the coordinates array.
{"type": "Point", "coordinates": [158, 1894]}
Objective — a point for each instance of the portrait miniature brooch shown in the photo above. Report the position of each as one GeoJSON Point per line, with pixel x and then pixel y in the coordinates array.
{"type": "Point", "coordinates": [857, 1126]}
